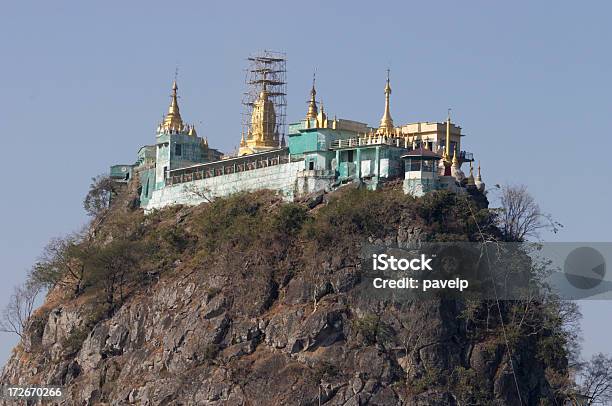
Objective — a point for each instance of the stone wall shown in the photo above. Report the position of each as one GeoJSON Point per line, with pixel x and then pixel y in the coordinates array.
{"type": "Point", "coordinates": [309, 181]}
{"type": "Point", "coordinates": [278, 177]}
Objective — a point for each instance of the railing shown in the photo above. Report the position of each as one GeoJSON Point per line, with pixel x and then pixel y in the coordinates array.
{"type": "Point", "coordinates": [399, 142]}
{"type": "Point", "coordinates": [363, 141]}
{"type": "Point", "coordinates": [466, 156]}
{"type": "Point", "coordinates": [220, 168]}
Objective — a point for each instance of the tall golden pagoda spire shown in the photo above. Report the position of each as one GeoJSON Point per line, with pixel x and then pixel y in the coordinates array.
{"type": "Point", "coordinates": [312, 104]}
{"type": "Point", "coordinates": [263, 118]}
{"type": "Point", "coordinates": [386, 122]}
{"type": "Point", "coordinates": [262, 133]}
{"type": "Point", "coordinates": [447, 157]}
{"type": "Point", "coordinates": [173, 120]}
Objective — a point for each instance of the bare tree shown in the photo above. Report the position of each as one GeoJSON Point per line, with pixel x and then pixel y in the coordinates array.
{"type": "Point", "coordinates": [19, 309]}
{"type": "Point", "coordinates": [520, 216]}
{"type": "Point", "coordinates": [596, 377]}
{"type": "Point", "coordinates": [202, 192]}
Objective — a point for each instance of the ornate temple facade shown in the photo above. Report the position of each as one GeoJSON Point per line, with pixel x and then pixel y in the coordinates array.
{"type": "Point", "coordinates": [320, 153]}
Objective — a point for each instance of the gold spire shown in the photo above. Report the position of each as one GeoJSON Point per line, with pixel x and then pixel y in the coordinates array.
{"type": "Point", "coordinates": [386, 122]}
{"type": "Point", "coordinates": [447, 157]}
{"type": "Point", "coordinates": [312, 104]}
{"type": "Point", "coordinates": [173, 120]}
{"type": "Point", "coordinates": [480, 185]}
{"type": "Point", "coordinates": [321, 117]}
{"type": "Point", "coordinates": [455, 160]}
{"type": "Point", "coordinates": [263, 119]}
{"type": "Point", "coordinates": [192, 131]}
{"type": "Point", "coordinates": [262, 135]}
{"type": "Point", "coordinates": [471, 176]}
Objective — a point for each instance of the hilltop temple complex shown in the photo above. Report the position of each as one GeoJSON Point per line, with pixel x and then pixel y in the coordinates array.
{"type": "Point", "coordinates": [318, 153]}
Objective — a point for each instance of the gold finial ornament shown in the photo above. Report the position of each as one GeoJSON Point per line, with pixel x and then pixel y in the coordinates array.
{"type": "Point", "coordinates": [478, 177]}
{"type": "Point", "coordinates": [172, 120]}
{"type": "Point", "coordinates": [386, 122]}
{"type": "Point", "coordinates": [312, 104]}
{"type": "Point", "coordinates": [455, 160]}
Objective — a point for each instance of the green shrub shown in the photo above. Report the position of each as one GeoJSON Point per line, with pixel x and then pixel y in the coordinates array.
{"type": "Point", "coordinates": [75, 339]}
{"type": "Point", "coordinates": [428, 380]}
{"type": "Point", "coordinates": [290, 218]}
{"type": "Point", "coordinates": [468, 386]}
{"type": "Point", "coordinates": [234, 222]}
{"type": "Point", "coordinates": [372, 329]}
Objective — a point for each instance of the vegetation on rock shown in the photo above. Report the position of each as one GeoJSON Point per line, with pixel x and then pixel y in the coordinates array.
{"type": "Point", "coordinates": [248, 299]}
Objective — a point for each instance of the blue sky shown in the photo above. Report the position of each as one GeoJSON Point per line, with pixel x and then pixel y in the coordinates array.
{"type": "Point", "coordinates": [85, 83]}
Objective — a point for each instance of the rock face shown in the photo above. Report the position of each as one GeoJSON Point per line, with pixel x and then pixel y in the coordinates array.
{"type": "Point", "coordinates": [190, 339]}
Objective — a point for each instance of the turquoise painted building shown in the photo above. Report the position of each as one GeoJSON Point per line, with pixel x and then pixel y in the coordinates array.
{"type": "Point", "coordinates": [321, 154]}
{"type": "Point", "coordinates": [347, 149]}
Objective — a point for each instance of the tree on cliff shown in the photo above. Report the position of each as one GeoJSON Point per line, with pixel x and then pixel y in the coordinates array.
{"type": "Point", "coordinates": [19, 309]}
{"type": "Point", "coordinates": [596, 377]}
{"type": "Point", "coordinates": [62, 263]}
{"type": "Point", "coordinates": [109, 266]}
{"type": "Point", "coordinates": [520, 216]}
{"type": "Point", "coordinates": [99, 197]}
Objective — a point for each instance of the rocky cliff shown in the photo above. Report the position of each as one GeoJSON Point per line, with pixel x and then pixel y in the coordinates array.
{"type": "Point", "coordinates": [251, 301]}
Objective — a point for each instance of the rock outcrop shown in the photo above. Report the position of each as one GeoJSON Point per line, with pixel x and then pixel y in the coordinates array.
{"type": "Point", "coordinates": [238, 331]}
